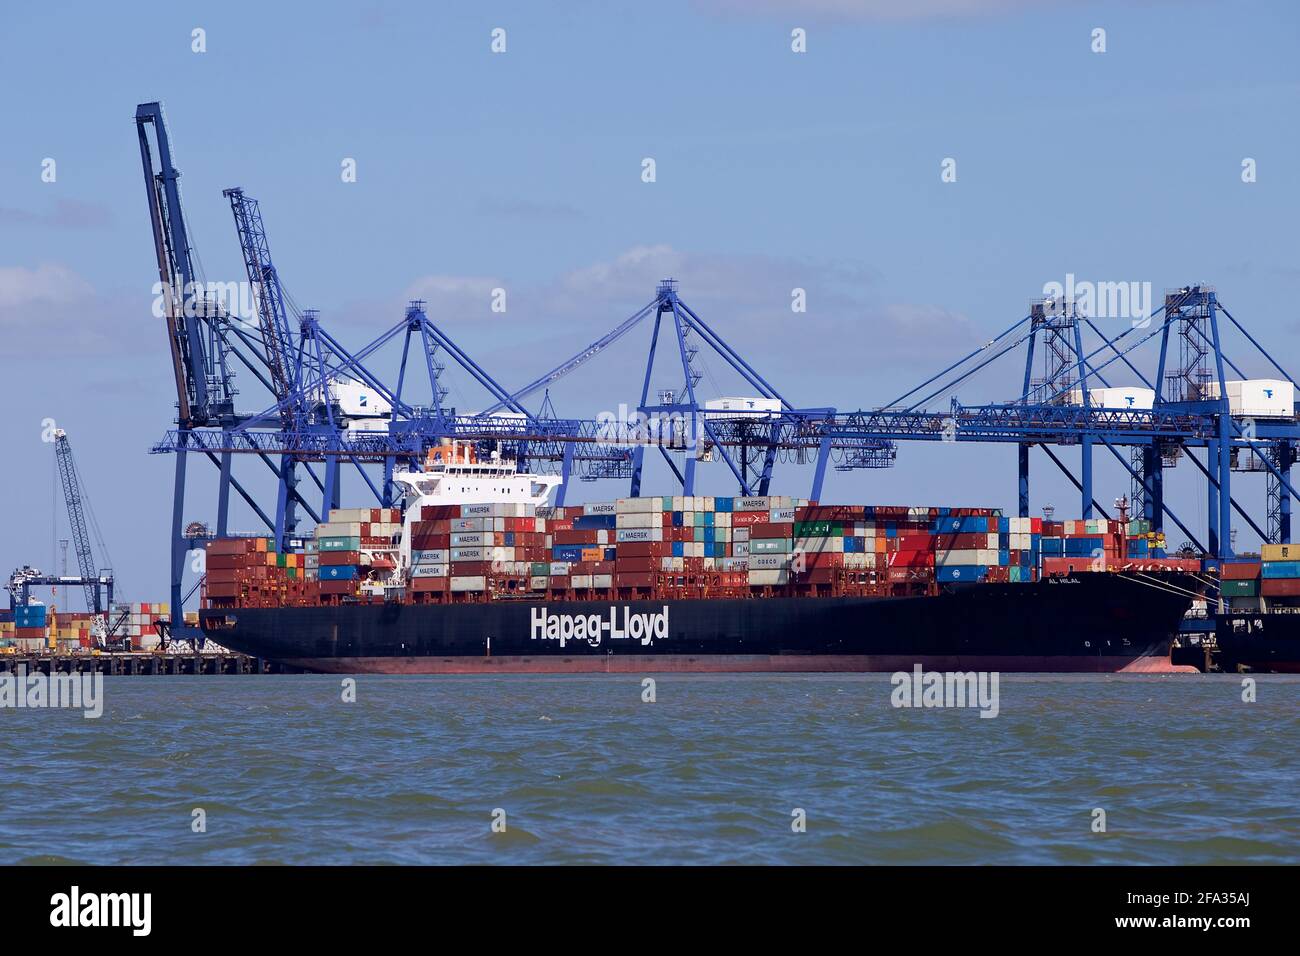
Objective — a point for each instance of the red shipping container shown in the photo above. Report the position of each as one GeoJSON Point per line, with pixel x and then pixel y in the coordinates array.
{"type": "Point", "coordinates": [636, 565]}
{"type": "Point", "coordinates": [910, 559]}
{"type": "Point", "coordinates": [912, 542]}
{"type": "Point", "coordinates": [439, 512]}
{"type": "Point", "coordinates": [643, 549]}
{"type": "Point", "coordinates": [634, 580]}
{"type": "Point", "coordinates": [424, 585]}
{"type": "Point", "coordinates": [575, 536]}
{"type": "Point", "coordinates": [836, 513]}
{"type": "Point", "coordinates": [824, 559]}
{"type": "Point", "coordinates": [337, 587]}
{"type": "Point", "coordinates": [229, 546]}
{"type": "Point", "coordinates": [339, 558]}
{"type": "Point", "coordinates": [559, 582]}
{"type": "Point", "coordinates": [1280, 587]}
{"type": "Point", "coordinates": [429, 542]}
{"type": "Point", "coordinates": [431, 527]}
{"type": "Point", "coordinates": [974, 541]}
{"type": "Point", "coordinates": [1240, 571]}
{"type": "Point", "coordinates": [470, 568]}
{"type": "Point", "coordinates": [559, 524]}
{"type": "Point", "coordinates": [743, 519]}
{"type": "Point", "coordinates": [766, 529]}
{"type": "Point", "coordinates": [818, 576]}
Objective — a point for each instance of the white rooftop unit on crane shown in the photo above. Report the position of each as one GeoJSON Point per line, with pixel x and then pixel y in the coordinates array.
{"type": "Point", "coordinates": [358, 400]}
{"type": "Point", "coordinates": [1257, 397]}
{"type": "Point", "coordinates": [736, 406]}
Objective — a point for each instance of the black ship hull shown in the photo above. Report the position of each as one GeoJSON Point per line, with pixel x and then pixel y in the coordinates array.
{"type": "Point", "coordinates": [1083, 623]}
{"type": "Point", "coordinates": [1268, 642]}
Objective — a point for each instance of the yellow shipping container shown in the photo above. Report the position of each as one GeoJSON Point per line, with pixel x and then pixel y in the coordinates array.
{"type": "Point", "coordinates": [1280, 552]}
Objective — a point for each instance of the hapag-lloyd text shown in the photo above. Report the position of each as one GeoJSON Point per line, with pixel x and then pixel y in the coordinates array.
{"type": "Point", "coordinates": [643, 627]}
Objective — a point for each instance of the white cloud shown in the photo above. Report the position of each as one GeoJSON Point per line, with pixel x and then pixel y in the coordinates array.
{"type": "Point", "coordinates": [53, 306]}
{"type": "Point", "coordinates": [48, 284]}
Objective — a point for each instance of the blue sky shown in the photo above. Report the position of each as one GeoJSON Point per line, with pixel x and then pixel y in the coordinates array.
{"type": "Point", "coordinates": [522, 171]}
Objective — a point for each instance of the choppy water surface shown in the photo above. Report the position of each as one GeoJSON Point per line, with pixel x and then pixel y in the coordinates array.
{"type": "Point", "coordinates": [709, 773]}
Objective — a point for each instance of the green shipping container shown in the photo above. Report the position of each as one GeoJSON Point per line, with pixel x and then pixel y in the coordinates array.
{"type": "Point", "coordinates": [340, 544]}
{"type": "Point", "coordinates": [1231, 589]}
{"type": "Point", "coordinates": [816, 529]}
{"type": "Point", "coordinates": [541, 569]}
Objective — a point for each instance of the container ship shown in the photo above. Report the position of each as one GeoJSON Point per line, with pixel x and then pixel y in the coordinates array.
{"type": "Point", "coordinates": [476, 573]}
{"type": "Point", "coordinates": [1258, 627]}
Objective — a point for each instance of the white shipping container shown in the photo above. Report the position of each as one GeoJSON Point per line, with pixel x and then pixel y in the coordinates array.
{"type": "Point", "coordinates": [752, 504]}
{"type": "Point", "coordinates": [740, 534]}
{"type": "Point", "coordinates": [740, 548]}
{"type": "Point", "coordinates": [767, 577]}
{"type": "Point", "coordinates": [600, 508]}
{"type": "Point", "coordinates": [471, 554]}
{"type": "Point", "coordinates": [429, 571]}
{"type": "Point", "coordinates": [983, 556]}
{"type": "Point", "coordinates": [470, 539]}
{"type": "Point", "coordinates": [538, 583]}
{"type": "Point", "coordinates": [339, 529]}
{"type": "Point", "coordinates": [734, 564]}
{"type": "Point", "coordinates": [469, 583]}
{"type": "Point", "coordinates": [767, 562]}
{"type": "Point", "coordinates": [636, 505]}
{"type": "Point", "coordinates": [819, 545]}
{"type": "Point", "coordinates": [559, 568]}
{"type": "Point", "coordinates": [781, 516]}
{"type": "Point", "coordinates": [580, 581]}
{"type": "Point", "coordinates": [639, 519]}
{"type": "Point", "coordinates": [602, 580]}
{"type": "Point", "coordinates": [438, 556]}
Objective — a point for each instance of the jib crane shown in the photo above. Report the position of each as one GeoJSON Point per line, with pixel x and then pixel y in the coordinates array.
{"type": "Point", "coordinates": [97, 585]}
{"type": "Point", "coordinates": [77, 519]}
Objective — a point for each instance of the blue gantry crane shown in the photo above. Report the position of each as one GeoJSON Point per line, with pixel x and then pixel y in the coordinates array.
{"type": "Point", "coordinates": [327, 406]}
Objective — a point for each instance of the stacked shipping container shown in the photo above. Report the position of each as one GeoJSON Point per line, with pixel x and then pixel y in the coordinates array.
{"type": "Point", "coordinates": [675, 546]}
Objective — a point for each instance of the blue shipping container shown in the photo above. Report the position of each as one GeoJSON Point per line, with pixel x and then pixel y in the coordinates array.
{"type": "Point", "coordinates": [337, 572]}
{"type": "Point", "coordinates": [1083, 547]}
{"type": "Point", "coordinates": [1282, 569]}
{"type": "Point", "coordinates": [29, 615]}
{"type": "Point", "coordinates": [566, 552]}
{"type": "Point", "coordinates": [961, 572]}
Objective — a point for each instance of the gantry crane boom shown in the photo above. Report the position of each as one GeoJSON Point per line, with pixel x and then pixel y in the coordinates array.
{"type": "Point", "coordinates": [277, 339]}
{"type": "Point", "coordinates": [175, 268]}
